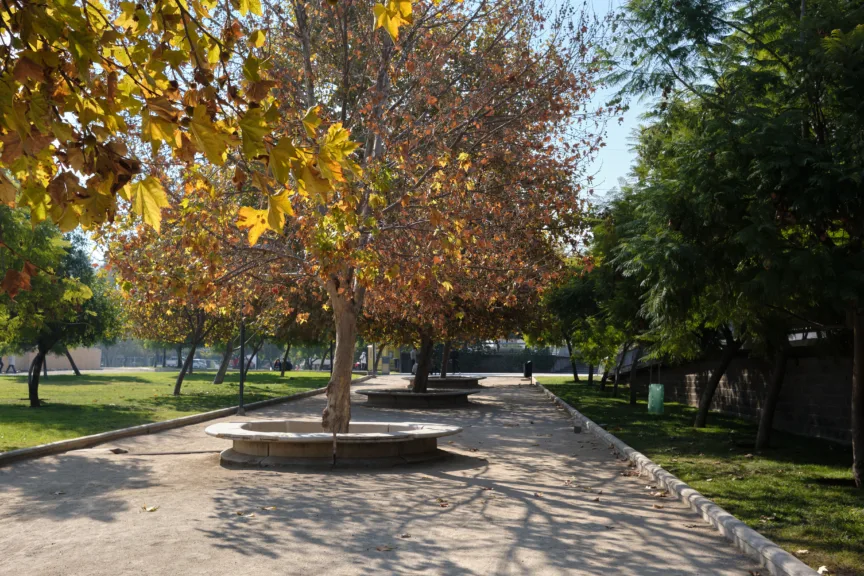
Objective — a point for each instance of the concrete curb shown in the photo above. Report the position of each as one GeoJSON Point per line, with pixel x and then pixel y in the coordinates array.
{"type": "Point", "coordinates": [94, 439]}
{"type": "Point", "coordinates": [776, 560]}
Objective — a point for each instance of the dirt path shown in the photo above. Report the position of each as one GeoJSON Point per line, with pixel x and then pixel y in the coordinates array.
{"type": "Point", "coordinates": [521, 496]}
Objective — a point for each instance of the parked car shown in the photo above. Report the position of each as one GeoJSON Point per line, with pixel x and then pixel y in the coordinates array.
{"type": "Point", "coordinates": [200, 363]}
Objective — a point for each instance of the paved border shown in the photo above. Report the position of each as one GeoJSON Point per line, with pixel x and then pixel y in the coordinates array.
{"type": "Point", "coordinates": [94, 439]}
{"type": "Point", "coordinates": [779, 562]}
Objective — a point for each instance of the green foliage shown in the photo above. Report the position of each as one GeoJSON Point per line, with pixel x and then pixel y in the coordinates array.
{"type": "Point", "coordinates": [68, 303]}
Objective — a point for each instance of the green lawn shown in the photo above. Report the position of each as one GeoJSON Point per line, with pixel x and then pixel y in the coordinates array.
{"type": "Point", "coordinates": [799, 493]}
{"type": "Point", "coordinates": [97, 402]}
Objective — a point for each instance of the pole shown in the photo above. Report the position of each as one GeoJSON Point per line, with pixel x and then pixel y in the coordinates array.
{"type": "Point", "coordinates": [241, 410]}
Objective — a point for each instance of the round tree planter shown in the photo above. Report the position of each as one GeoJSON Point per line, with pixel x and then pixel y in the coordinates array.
{"type": "Point", "coordinates": [452, 382]}
{"type": "Point", "coordinates": [305, 442]}
{"type": "Point", "coordinates": [401, 398]}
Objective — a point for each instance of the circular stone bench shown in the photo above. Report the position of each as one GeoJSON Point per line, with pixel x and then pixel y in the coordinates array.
{"type": "Point", "coordinates": [303, 442]}
{"type": "Point", "coordinates": [401, 398]}
{"type": "Point", "coordinates": [451, 382]}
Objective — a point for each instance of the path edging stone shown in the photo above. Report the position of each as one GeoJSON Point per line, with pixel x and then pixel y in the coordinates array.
{"type": "Point", "coordinates": [92, 440]}
{"type": "Point", "coordinates": [777, 561]}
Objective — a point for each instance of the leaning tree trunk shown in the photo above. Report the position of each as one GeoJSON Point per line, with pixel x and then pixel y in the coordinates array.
{"type": "Point", "coordinates": [711, 387]}
{"type": "Point", "coordinates": [858, 398]}
{"type": "Point", "coordinates": [590, 374]}
{"type": "Point", "coordinates": [572, 361]}
{"type": "Point", "coordinates": [33, 379]}
{"type": "Point", "coordinates": [285, 358]}
{"type": "Point", "coordinates": [444, 359]}
{"type": "Point", "coordinates": [223, 366]}
{"type": "Point", "coordinates": [772, 395]}
{"type": "Point", "coordinates": [71, 361]}
{"type": "Point", "coordinates": [337, 413]}
{"type": "Point", "coordinates": [618, 368]}
{"type": "Point", "coordinates": [424, 363]}
{"type": "Point", "coordinates": [255, 351]}
{"type": "Point", "coordinates": [604, 378]}
{"type": "Point", "coordinates": [186, 365]}
{"type": "Point", "coordinates": [45, 364]}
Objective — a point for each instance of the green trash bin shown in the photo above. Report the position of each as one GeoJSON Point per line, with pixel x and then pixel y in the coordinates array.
{"type": "Point", "coordinates": [655, 398]}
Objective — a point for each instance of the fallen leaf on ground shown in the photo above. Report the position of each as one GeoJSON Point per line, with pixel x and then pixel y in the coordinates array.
{"type": "Point", "coordinates": [384, 548]}
{"type": "Point", "coordinates": [658, 506]}
{"type": "Point", "coordinates": [404, 536]}
{"type": "Point", "coordinates": [801, 552]}
{"type": "Point", "coordinates": [823, 570]}
{"type": "Point", "coordinates": [473, 449]}
{"type": "Point", "coordinates": [538, 494]}
{"type": "Point", "coordinates": [442, 502]}
{"type": "Point", "coordinates": [146, 508]}
{"type": "Point", "coordinates": [268, 508]}
{"type": "Point", "coordinates": [245, 515]}
{"type": "Point", "coordinates": [596, 499]}
{"type": "Point", "coordinates": [58, 493]}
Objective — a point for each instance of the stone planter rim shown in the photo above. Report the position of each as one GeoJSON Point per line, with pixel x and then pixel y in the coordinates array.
{"type": "Point", "coordinates": [415, 430]}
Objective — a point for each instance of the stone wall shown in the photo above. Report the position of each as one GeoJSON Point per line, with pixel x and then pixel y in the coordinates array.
{"type": "Point", "coordinates": [815, 399]}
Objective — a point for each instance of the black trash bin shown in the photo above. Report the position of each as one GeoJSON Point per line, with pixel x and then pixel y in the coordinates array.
{"type": "Point", "coordinates": [529, 369]}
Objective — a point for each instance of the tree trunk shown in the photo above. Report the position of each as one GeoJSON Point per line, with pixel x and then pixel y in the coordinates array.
{"type": "Point", "coordinates": [285, 358]}
{"type": "Point", "coordinates": [71, 361]}
{"type": "Point", "coordinates": [44, 364]}
{"type": "Point", "coordinates": [858, 399]}
{"type": "Point", "coordinates": [324, 357]}
{"type": "Point", "coordinates": [331, 360]}
{"type": "Point", "coordinates": [378, 351]}
{"type": "Point", "coordinates": [179, 356]}
{"type": "Point", "coordinates": [618, 367]}
{"type": "Point", "coordinates": [572, 361]}
{"type": "Point", "coordinates": [33, 379]}
{"type": "Point", "coordinates": [164, 357]}
{"type": "Point", "coordinates": [711, 387]}
{"type": "Point", "coordinates": [337, 413]}
{"type": "Point", "coordinates": [186, 366]}
{"type": "Point", "coordinates": [255, 351]}
{"type": "Point", "coordinates": [223, 366]}
{"type": "Point", "coordinates": [444, 359]}
{"type": "Point", "coordinates": [634, 370]}
{"type": "Point", "coordinates": [424, 363]}
{"type": "Point", "coordinates": [772, 395]}
{"type": "Point", "coordinates": [604, 378]}
{"type": "Point", "coordinates": [590, 374]}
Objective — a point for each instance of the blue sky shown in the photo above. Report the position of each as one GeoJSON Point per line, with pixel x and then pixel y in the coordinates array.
{"type": "Point", "coordinates": [614, 160]}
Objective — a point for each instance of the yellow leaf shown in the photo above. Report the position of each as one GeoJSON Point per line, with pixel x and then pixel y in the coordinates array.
{"type": "Point", "coordinates": [281, 158]}
{"type": "Point", "coordinates": [149, 199]}
{"type": "Point", "coordinates": [257, 38]}
{"type": "Point", "coordinates": [253, 6]}
{"type": "Point", "coordinates": [255, 220]}
{"type": "Point", "coordinates": [391, 17]}
{"type": "Point", "coordinates": [311, 121]}
{"type": "Point", "coordinates": [311, 183]}
{"type": "Point", "coordinates": [207, 137]}
{"type": "Point", "coordinates": [447, 286]}
{"type": "Point", "coordinates": [278, 207]}
{"type": "Point", "coordinates": [254, 130]}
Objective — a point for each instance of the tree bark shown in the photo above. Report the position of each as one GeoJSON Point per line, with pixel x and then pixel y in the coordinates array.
{"type": "Point", "coordinates": [337, 413]}
{"type": "Point", "coordinates": [331, 360]}
{"type": "Point", "coordinates": [618, 368]}
{"type": "Point", "coordinates": [444, 359]}
{"type": "Point", "coordinates": [570, 356]}
{"type": "Point", "coordinates": [732, 347]}
{"type": "Point", "coordinates": [590, 374]}
{"type": "Point", "coordinates": [71, 361]}
{"type": "Point", "coordinates": [223, 366]}
{"type": "Point", "coordinates": [179, 356]}
{"type": "Point", "coordinates": [634, 370]}
{"type": "Point", "coordinates": [424, 363]}
{"type": "Point", "coordinates": [164, 358]}
{"type": "Point", "coordinates": [604, 378]}
{"type": "Point", "coordinates": [186, 365]}
{"type": "Point", "coordinates": [44, 364]}
{"type": "Point", "coordinates": [255, 350]}
{"type": "Point", "coordinates": [772, 395]}
{"type": "Point", "coordinates": [285, 358]}
{"type": "Point", "coordinates": [858, 399]}
{"type": "Point", "coordinates": [33, 379]}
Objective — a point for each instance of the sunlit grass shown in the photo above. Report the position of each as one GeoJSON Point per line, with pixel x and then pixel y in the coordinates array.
{"type": "Point", "coordinates": [97, 402]}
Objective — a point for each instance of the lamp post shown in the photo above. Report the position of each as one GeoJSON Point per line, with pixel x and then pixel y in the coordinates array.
{"type": "Point", "coordinates": [241, 410]}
